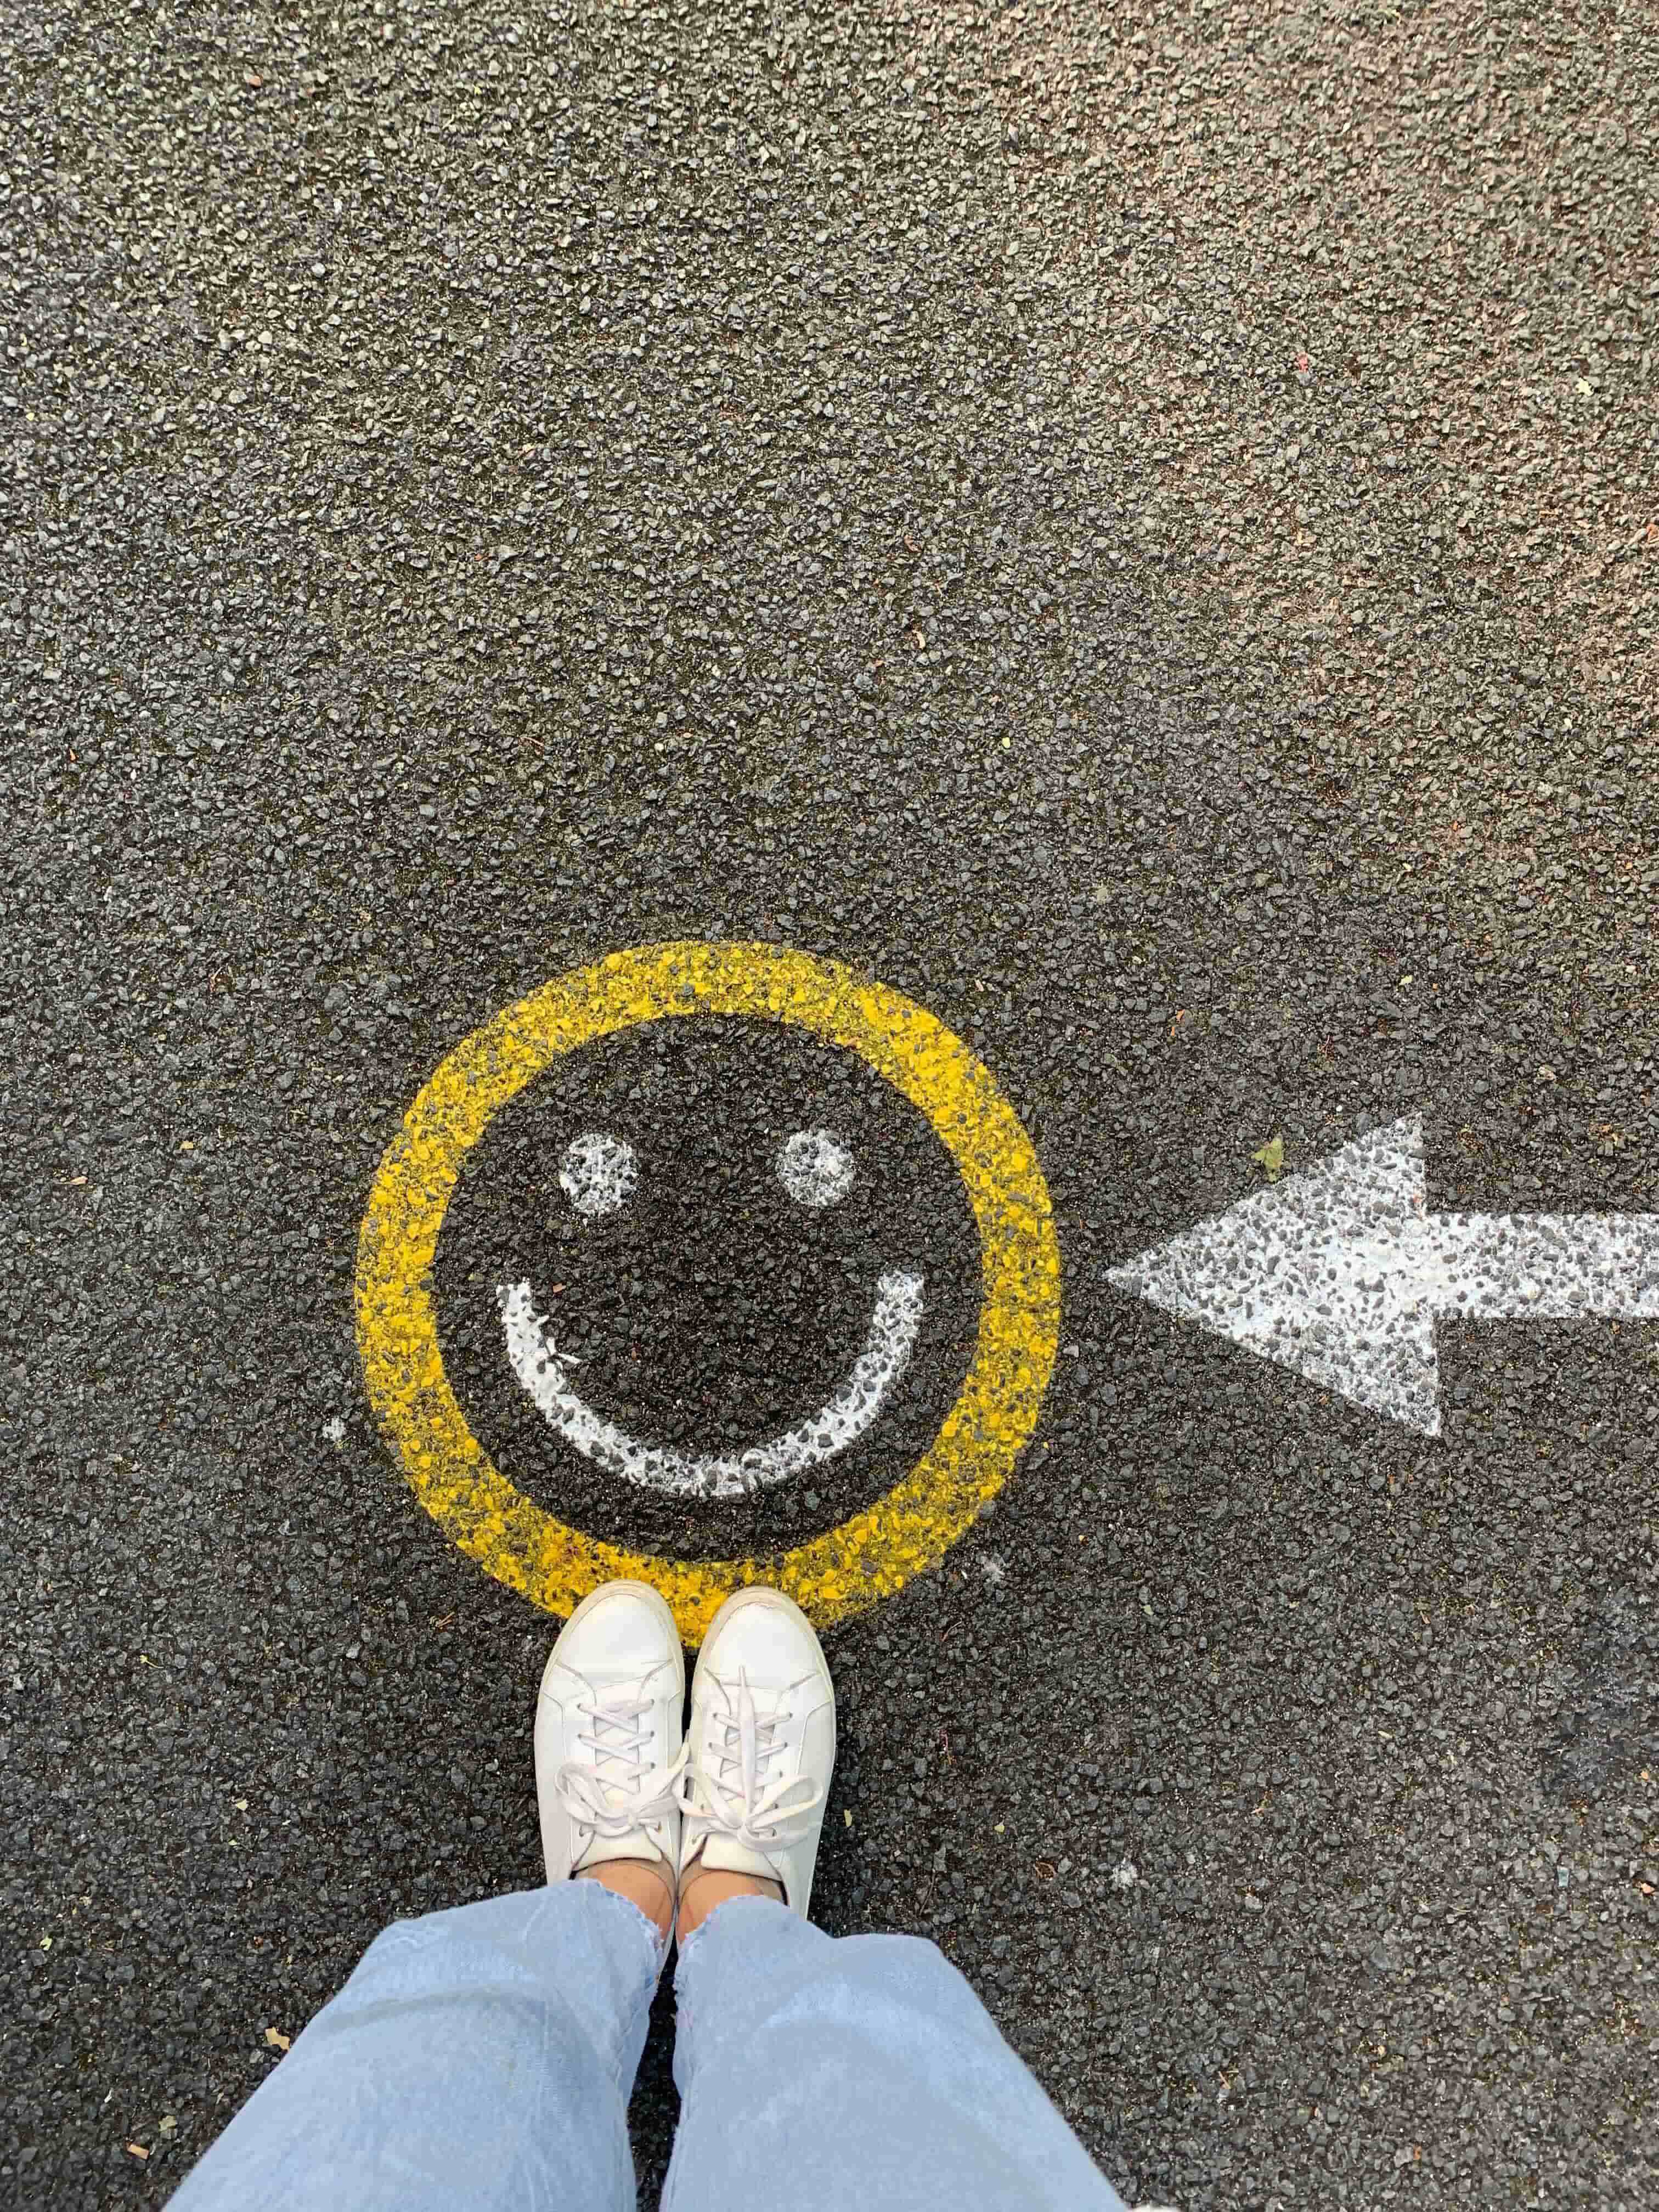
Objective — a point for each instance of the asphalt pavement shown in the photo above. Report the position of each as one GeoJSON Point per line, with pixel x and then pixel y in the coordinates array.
{"type": "Point", "coordinates": [1136, 532]}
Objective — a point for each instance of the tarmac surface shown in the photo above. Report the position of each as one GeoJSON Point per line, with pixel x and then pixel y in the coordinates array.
{"type": "Point", "coordinates": [1139, 534]}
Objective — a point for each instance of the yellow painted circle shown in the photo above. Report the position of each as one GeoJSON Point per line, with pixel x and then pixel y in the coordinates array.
{"type": "Point", "coordinates": [903, 1532]}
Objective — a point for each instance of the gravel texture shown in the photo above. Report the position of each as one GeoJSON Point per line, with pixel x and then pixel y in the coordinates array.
{"type": "Point", "coordinates": [1143, 535]}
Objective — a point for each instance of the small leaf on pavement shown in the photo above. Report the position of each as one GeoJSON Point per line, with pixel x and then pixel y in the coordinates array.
{"type": "Point", "coordinates": [276, 2040]}
{"type": "Point", "coordinates": [1272, 1156]}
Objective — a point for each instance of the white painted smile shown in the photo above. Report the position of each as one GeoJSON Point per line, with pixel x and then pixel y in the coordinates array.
{"type": "Point", "coordinates": [839, 1422]}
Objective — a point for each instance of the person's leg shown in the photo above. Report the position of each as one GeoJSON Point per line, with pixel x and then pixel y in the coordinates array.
{"type": "Point", "coordinates": [860, 2073]}
{"type": "Point", "coordinates": [863, 2073]}
{"type": "Point", "coordinates": [482, 2057]}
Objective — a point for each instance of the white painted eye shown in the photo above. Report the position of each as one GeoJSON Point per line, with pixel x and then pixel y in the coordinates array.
{"type": "Point", "coordinates": [599, 1172]}
{"type": "Point", "coordinates": [815, 1168]}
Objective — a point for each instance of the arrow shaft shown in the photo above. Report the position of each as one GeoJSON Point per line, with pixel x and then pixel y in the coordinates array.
{"type": "Point", "coordinates": [1537, 1266]}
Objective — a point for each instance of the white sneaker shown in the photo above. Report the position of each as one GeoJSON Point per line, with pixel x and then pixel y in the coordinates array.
{"type": "Point", "coordinates": [609, 1726]}
{"type": "Point", "coordinates": [762, 1748]}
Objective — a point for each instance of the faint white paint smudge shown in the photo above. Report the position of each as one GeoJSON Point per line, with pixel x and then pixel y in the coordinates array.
{"type": "Point", "coordinates": [1341, 1273]}
{"type": "Point", "coordinates": [994, 1570]}
{"type": "Point", "coordinates": [1125, 1875]}
{"type": "Point", "coordinates": [335, 1431]}
{"type": "Point", "coordinates": [540, 1368]}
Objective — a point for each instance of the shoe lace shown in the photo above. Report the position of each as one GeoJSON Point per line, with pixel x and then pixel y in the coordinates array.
{"type": "Point", "coordinates": [613, 1789]}
{"type": "Point", "coordinates": [730, 1788]}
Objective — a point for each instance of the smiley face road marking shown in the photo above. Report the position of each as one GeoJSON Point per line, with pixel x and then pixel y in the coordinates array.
{"type": "Point", "coordinates": [878, 1549]}
{"type": "Point", "coordinates": [840, 1422]}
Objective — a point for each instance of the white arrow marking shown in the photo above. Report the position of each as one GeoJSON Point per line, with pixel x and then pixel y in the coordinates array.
{"type": "Point", "coordinates": [1340, 1273]}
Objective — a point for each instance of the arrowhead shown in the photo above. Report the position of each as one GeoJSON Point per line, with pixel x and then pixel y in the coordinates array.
{"type": "Point", "coordinates": [1317, 1274]}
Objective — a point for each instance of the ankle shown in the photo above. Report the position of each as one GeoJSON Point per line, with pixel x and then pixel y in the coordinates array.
{"type": "Point", "coordinates": [642, 1884]}
{"type": "Point", "coordinates": [704, 1890]}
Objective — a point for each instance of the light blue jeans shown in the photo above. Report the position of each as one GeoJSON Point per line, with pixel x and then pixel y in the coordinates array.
{"type": "Point", "coordinates": [481, 2060]}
